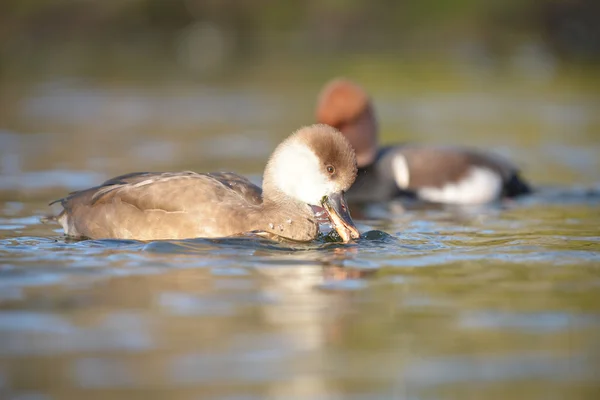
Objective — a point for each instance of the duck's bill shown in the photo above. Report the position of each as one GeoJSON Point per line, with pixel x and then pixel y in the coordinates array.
{"type": "Point", "coordinates": [339, 216]}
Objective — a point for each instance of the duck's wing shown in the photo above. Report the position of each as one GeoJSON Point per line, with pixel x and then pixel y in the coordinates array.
{"type": "Point", "coordinates": [438, 166]}
{"type": "Point", "coordinates": [240, 185]}
{"type": "Point", "coordinates": [151, 205]}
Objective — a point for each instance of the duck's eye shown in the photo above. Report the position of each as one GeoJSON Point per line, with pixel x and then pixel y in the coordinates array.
{"type": "Point", "coordinates": [330, 169]}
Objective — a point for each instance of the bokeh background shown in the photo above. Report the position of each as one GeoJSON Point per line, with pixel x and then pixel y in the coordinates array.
{"type": "Point", "coordinates": [93, 88]}
{"type": "Point", "coordinates": [496, 303]}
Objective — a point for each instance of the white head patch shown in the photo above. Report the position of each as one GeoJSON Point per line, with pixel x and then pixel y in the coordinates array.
{"type": "Point", "coordinates": [297, 172]}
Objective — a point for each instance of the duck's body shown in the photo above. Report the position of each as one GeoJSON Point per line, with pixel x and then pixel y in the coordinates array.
{"type": "Point", "coordinates": [434, 174]}
{"type": "Point", "coordinates": [153, 206]}
{"type": "Point", "coordinates": [180, 205]}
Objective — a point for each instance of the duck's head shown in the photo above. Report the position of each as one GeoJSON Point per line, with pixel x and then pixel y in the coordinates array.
{"type": "Point", "coordinates": [347, 107]}
{"type": "Point", "coordinates": [315, 166]}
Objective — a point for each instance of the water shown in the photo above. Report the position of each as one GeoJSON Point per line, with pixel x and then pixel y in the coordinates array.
{"type": "Point", "coordinates": [501, 301]}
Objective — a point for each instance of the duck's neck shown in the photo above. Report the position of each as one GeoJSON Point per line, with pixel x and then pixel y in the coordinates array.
{"type": "Point", "coordinates": [286, 217]}
{"type": "Point", "coordinates": [363, 136]}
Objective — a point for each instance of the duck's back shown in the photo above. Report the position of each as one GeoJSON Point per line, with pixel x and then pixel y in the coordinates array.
{"type": "Point", "coordinates": [460, 175]}
{"type": "Point", "coordinates": [151, 206]}
{"type": "Point", "coordinates": [443, 175]}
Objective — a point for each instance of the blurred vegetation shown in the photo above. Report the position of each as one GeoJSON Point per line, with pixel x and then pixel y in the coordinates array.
{"type": "Point", "coordinates": [200, 38]}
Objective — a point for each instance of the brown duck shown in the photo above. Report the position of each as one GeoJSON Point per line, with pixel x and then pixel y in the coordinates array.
{"type": "Point", "coordinates": [435, 174]}
{"type": "Point", "coordinates": [312, 167]}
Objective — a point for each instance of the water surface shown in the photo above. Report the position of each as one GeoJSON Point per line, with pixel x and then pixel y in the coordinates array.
{"type": "Point", "coordinates": [492, 302]}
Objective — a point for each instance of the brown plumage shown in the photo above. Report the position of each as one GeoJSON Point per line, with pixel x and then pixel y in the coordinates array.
{"type": "Point", "coordinates": [436, 166]}
{"type": "Point", "coordinates": [326, 148]}
{"type": "Point", "coordinates": [347, 107]}
{"type": "Point", "coordinates": [154, 205]}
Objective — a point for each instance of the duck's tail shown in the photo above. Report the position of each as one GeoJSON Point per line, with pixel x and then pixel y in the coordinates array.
{"type": "Point", "coordinates": [517, 186]}
{"type": "Point", "coordinates": [48, 219]}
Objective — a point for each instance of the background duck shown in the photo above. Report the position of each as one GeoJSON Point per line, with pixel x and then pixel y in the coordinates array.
{"type": "Point", "coordinates": [312, 167]}
{"type": "Point", "coordinates": [434, 174]}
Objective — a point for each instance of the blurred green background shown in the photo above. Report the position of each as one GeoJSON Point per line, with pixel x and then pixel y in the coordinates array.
{"type": "Point", "coordinates": [209, 39]}
{"type": "Point", "coordinates": [110, 86]}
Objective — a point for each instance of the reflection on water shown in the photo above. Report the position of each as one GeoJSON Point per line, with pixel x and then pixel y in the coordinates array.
{"type": "Point", "coordinates": [503, 301]}
{"type": "Point", "coordinates": [432, 302]}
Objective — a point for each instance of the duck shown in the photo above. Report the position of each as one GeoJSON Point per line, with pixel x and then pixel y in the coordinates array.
{"type": "Point", "coordinates": [310, 170]}
{"type": "Point", "coordinates": [433, 174]}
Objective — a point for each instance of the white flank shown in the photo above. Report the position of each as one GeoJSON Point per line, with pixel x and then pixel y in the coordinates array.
{"type": "Point", "coordinates": [480, 185]}
{"type": "Point", "coordinates": [401, 172]}
{"type": "Point", "coordinates": [297, 173]}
